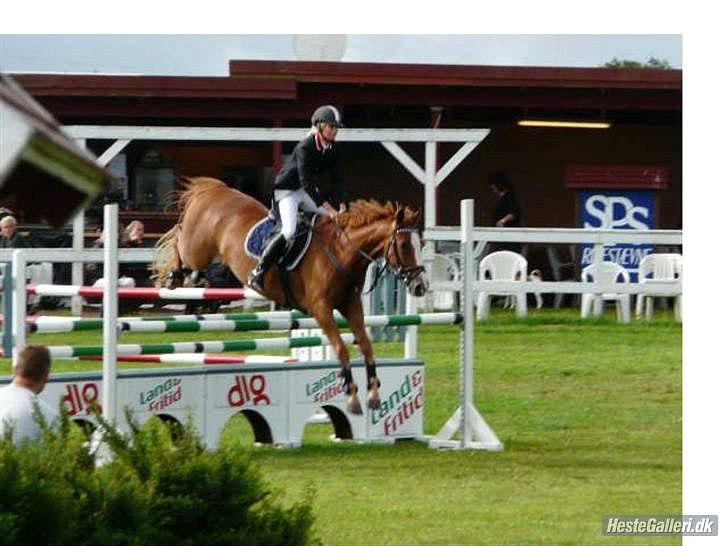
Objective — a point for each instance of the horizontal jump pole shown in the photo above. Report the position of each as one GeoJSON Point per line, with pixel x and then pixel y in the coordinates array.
{"type": "Point", "coordinates": [143, 293]}
{"type": "Point", "coordinates": [263, 315]}
{"type": "Point", "coordinates": [199, 358]}
{"type": "Point", "coordinates": [69, 351]}
{"type": "Point", "coordinates": [240, 325]}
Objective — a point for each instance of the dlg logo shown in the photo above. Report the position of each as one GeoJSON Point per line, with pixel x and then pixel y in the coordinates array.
{"type": "Point", "coordinates": [80, 398]}
{"type": "Point", "coordinates": [614, 212]}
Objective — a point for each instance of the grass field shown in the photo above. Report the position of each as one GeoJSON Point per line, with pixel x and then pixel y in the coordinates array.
{"type": "Point", "coordinates": [589, 412]}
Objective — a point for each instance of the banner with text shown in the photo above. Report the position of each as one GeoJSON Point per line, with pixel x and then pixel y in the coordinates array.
{"type": "Point", "coordinates": [617, 209]}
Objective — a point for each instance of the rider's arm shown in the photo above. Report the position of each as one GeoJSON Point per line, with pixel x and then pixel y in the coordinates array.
{"type": "Point", "coordinates": [305, 163]}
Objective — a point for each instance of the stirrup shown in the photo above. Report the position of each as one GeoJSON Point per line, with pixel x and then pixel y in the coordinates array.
{"type": "Point", "coordinates": [256, 279]}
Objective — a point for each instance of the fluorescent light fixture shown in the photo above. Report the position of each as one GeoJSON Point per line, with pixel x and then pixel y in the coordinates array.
{"type": "Point", "coordinates": [565, 124]}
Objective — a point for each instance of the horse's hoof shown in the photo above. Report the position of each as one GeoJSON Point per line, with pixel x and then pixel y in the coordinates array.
{"type": "Point", "coordinates": [173, 280]}
{"type": "Point", "coordinates": [353, 405]}
{"type": "Point", "coordinates": [373, 401]}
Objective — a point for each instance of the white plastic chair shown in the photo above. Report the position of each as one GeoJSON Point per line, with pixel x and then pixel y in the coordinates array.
{"type": "Point", "coordinates": [662, 268]}
{"type": "Point", "coordinates": [502, 265]}
{"type": "Point", "coordinates": [605, 272]}
{"type": "Point", "coordinates": [443, 268]}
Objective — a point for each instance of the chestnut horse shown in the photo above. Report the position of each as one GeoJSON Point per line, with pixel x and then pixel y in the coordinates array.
{"type": "Point", "coordinates": [214, 220]}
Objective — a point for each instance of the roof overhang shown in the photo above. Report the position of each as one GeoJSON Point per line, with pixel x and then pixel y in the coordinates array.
{"type": "Point", "coordinates": [42, 171]}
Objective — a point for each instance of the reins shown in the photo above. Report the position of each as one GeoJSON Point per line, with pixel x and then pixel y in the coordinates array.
{"type": "Point", "coordinates": [406, 274]}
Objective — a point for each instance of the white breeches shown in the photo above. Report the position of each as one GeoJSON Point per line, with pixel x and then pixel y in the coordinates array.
{"type": "Point", "coordinates": [289, 201]}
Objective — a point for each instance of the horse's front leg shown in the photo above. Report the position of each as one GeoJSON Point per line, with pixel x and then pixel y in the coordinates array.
{"type": "Point", "coordinates": [325, 318]}
{"type": "Point", "coordinates": [354, 314]}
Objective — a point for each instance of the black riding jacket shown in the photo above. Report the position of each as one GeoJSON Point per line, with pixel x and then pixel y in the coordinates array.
{"type": "Point", "coordinates": [303, 169]}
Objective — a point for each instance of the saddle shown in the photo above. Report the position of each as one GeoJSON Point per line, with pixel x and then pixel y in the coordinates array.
{"type": "Point", "coordinates": [262, 232]}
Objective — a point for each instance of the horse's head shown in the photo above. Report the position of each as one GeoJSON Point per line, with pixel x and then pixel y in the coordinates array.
{"type": "Point", "coordinates": [404, 251]}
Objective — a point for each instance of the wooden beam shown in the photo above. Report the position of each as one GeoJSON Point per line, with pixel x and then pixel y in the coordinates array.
{"type": "Point", "coordinates": [454, 161]}
{"type": "Point", "coordinates": [268, 134]}
{"type": "Point", "coordinates": [405, 160]}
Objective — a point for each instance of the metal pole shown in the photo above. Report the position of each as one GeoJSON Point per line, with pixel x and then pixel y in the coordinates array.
{"type": "Point", "coordinates": [111, 300]}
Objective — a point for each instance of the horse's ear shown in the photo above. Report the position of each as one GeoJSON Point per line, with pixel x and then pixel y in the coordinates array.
{"type": "Point", "coordinates": [415, 217]}
{"type": "Point", "coordinates": [399, 218]}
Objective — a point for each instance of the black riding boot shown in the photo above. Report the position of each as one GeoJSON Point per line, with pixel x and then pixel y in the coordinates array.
{"type": "Point", "coordinates": [271, 253]}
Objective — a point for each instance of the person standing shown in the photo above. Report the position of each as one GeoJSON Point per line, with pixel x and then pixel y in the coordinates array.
{"type": "Point", "coordinates": [17, 399]}
{"type": "Point", "coordinates": [507, 211]}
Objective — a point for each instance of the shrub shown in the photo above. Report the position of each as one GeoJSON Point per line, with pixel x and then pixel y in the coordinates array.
{"type": "Point", "coordinates": [159, 488]}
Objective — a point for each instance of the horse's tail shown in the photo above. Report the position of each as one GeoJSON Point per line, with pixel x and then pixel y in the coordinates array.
{"type": "Point", "coordinates": [167, 259]}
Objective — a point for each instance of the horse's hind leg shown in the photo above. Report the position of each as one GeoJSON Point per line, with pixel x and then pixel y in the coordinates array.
{"type": "Point", "coordinates": [354, 314]}
{"type": "Point", "coordinates": [325, 318]}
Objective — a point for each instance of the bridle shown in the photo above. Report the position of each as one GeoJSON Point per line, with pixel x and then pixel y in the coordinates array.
{"type": "Point", "coordinates": [406, 274]}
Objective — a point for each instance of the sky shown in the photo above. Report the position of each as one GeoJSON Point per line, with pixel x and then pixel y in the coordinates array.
{"type": "Point", "coordinates": [208, 55]}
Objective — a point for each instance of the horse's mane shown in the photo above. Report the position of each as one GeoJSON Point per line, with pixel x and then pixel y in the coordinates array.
{"type": "Point", "coordinates": [365, 211]}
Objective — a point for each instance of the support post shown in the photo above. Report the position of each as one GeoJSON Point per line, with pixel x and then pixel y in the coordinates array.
{"type": "Point", "coordinates": [7, 310]}
{"type": "Point", "coordinates": [475, 433]}
{"type": "Point", "coordinates": [111, 300]}
{"type": "Point", "coordinates": [77, 267]}
{"type": "Point", "coordinates": [19, 303]}
{"type": "Point", "coordinates": [430, 184]}
{"type": "Point", "coordinates": [410, 337]}
{"type": "Point", "coordinates": [428, 252]}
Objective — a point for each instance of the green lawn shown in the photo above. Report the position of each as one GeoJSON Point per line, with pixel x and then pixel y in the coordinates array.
{"type": "Point", "coordinates": [589, 412]}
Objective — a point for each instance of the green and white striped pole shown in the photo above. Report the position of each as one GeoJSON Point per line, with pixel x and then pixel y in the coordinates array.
{"type": "Point", "coordinates": [265, 344]}
{"type": "Point", "coordinates": [240, 325]}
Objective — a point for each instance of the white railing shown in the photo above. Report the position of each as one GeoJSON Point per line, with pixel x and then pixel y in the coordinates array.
{"type": "Point", "coordinates": [69, 255]}
{"type": "Point", "coordinates": [598, 237]}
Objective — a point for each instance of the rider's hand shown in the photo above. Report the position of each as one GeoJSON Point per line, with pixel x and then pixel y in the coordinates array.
{"type": "Point", "coordinates": [331, 212]}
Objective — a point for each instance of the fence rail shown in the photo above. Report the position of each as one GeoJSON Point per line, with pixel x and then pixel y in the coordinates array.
{"type": "Point", "coordinates": [560, 235]}
{"type": "Point", "coordinates": [597, 237]}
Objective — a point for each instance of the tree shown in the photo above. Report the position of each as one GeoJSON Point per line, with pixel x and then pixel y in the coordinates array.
{"type": "Point", "coordinates": [657, 64]}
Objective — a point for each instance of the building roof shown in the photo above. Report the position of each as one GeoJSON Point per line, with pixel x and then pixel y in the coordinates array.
{"type": "Point", "coordinates": [459, 75]}
{"type": "Point", "coordinates": [266, 90]}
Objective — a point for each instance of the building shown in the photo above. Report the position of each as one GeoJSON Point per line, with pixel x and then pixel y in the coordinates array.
{"type": "Point", "coordinates": [644, 108]}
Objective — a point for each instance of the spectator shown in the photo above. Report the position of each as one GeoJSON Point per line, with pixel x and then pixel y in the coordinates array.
{"type": "Point", "coordinates": [507, 211]}
{"type": "Point", "coordinates": [132, 235]}
{"type": "Point", "coordinates": [17, 399]}
{"type": "Point", "coordinates": [9, 237]}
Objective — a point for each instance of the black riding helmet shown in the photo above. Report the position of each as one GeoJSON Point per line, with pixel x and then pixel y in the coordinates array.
{"type": "Point", "coordinates": [327, 114]}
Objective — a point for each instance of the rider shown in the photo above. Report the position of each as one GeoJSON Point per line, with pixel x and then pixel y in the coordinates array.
{"type": "Point", "coordinates": [296, 186]}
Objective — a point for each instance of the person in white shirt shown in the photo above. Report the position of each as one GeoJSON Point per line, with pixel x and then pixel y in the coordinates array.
{"type": "Point", "coordinates": [17, 399]}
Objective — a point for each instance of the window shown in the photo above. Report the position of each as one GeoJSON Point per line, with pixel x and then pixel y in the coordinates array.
{"type": "Point", "coordinates": [153, 181]}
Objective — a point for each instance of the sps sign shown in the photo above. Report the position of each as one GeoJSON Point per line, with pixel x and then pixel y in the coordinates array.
{"type": "Point", "coordinates": [617, 210]}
